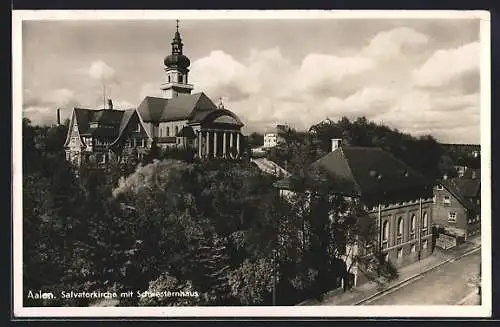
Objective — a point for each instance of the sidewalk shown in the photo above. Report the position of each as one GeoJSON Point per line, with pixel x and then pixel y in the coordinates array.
{"type": "Point", "coordinates": [367, 290]}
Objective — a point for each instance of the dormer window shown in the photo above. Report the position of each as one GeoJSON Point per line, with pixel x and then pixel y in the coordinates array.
{"type": "Point", "coordinates": [138, 129]}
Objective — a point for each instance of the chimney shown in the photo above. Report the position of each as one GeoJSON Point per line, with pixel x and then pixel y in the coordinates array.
{"type": "Point", "coordinates": [110, 104]}
{"type": "Point", "coordinates": [58, 117]}
{"type": "Point", "coordinates": [336, 144]}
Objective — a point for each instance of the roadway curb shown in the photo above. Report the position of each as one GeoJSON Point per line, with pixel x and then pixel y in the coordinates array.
{"type": "Point", "coordinates": [368, 298]}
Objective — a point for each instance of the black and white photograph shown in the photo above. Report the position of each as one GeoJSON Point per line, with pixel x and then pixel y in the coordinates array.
{"type": "Point", "coordinates": [251, 163]}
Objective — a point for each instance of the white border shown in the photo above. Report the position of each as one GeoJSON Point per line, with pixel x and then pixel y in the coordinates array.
{"type": "Point", "coordinates": [296, 311]}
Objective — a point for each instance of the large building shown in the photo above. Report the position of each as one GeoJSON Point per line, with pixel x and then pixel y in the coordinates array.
{"type": "Point", "coordinates": [397, 198]}
{"type": "Point", "coordinates": [178, 119]}
{"type": "Point", "coordinates": [102, 133]}
{"type": "Point", "coordinates": [182, 119]}
{"type": "Point", "coordinates": [276, 136]}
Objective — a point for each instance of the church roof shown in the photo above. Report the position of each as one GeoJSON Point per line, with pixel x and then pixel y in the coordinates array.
{"type": "Point", "coordinates": [187, 106]}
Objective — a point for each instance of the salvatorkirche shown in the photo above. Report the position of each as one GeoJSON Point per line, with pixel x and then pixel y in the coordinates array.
{"type": "Point", "coordinates": [178, 119]}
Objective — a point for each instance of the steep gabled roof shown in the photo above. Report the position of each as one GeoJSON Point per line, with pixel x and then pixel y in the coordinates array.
{"type": "Point", "coordinates": [369, 170]}
{"type": "Point", "coordinates": [115, 121]}
{"type": "Point", "coordinates": [455, 187]}
{"type": "Point", "coordinates": [469, 188]}
{"type": "Point", "coordinates": [186, 106]}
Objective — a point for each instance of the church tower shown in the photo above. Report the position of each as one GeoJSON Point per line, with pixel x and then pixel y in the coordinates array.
{"type": "Point", "coordinates": [176, 70]}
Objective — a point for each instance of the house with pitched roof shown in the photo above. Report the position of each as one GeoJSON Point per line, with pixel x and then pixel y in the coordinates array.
{"type": "Point", "coordinates": [396, 198]}
{"type": "Point", "coordinates": [104, 132]}
{"type": "Point", "coordinates": [177, 119]}
{"type": "Point", "coordinates": [457, 207]}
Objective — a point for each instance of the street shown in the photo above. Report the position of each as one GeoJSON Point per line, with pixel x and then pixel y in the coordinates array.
{"type": "Point", "coordinates": [445, 285]}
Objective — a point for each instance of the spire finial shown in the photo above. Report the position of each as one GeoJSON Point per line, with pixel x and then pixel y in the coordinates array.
{"type": "Point", "coordinates": [177, 25]}
{"type": "Point", "coordinates": [221, 104]}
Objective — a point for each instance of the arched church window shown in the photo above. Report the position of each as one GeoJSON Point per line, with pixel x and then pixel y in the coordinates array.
{"type": "Point", "coordinates": [425, 221]}
{"type": "Point", "coordinates": [400, 226]}
{"type": "Point", "coordinates": [413, 223]}
{"type": "Point", "coordinates": [168, 78]}
{"type": "Point", "coordinates": [179, 78]}
{"type": "Point", "coordinates": [385, 231]}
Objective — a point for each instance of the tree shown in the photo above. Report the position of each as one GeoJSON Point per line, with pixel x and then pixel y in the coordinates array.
{"type": "Point", "coordinates": [255, 139]}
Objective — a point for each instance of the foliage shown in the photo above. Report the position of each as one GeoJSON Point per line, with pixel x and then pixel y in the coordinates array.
{"type": "Point", "coordinates": [216, 228]}
{"type": "Point", "coordinates": [362, 132]}
{"type": "Point", "coordinates": [255, 139]}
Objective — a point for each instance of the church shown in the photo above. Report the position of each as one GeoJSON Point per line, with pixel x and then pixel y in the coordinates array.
{"type": "Point", "coordinates": [178, 119]}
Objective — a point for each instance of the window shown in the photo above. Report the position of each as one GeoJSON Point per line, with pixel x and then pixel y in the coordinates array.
{"type": "Point", "coordinates": [176, 130]}
{"type": "Point", "coordinates": [161, 132]}
{"type": "Point", "coordinates": [143, 143]}
{"type": "Point", "coordinates": [179, 78]}
{"type": "Point", "coordinates": [400, 253]}
{"type": "Point", "coordinates": [413, 248]}
{"type": "Point", "coordinates": [425, 221]}
{"type": "Point", "coordinates": [385, 231]}
{"type": "Point", "coordinates": [400, 226]}
{"type": "Point", "coordinates": [424, 244]}
{"type": "Point", "coordinates": [439, 187]}
{"type": "Point", "coordinates": [168, 131]}
{"type": "Point", "coordinates": [413, 225]}
{"type": "Point", "coordinates": [477, 218]}
{"type": "Point", "coordinates": [452, 217]}
{"type": "Point", "coordinates": [138, 129]}
{"type": "Point", "coordinates": [168, 78]}
{"type": "Point", "coordinates": [446, 200]}
{"type": "Point", "coordinates": [434, 199]}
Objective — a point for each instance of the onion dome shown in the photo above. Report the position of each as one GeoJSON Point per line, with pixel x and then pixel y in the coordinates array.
{"type": "Point", "coordinates": [177, 59]}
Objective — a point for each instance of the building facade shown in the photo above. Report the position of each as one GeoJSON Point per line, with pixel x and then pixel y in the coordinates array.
{"type": "Point", "coordinates": [276, 136]}
{"type": "Point", "coordinates": [457, 203]}
{"type": "Point", "coordinates": [99, 135]}
{"type": "Point", "coordinates": [396, 198]}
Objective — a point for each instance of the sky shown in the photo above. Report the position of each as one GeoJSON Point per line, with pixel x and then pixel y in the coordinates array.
{"type": "Point", "coordinates": [420, 76]}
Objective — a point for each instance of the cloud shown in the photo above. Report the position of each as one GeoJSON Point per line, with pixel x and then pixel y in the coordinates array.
{"type": "Point", "coordinates": [101, 71]}
{"type": "Point", "coordinates": [42, 109]}
{"type": "Point", "coordinates": [446, 66]}
{"type": "Point", "coordinates": [389, 44]}
{"type": "Point", "coordinates": [419, 112]}
{"type": "Point", "coordinates": [397, 76]}
{"type": "Point", "coordinates": [319, 71]}
{"type": "Point", "coordinates": [149, 89]}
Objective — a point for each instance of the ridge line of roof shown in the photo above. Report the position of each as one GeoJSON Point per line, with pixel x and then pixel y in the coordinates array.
{"type": "Point", "coordinates": [350, 171]}
{"type": "Point", "coordinates": [463, 201]}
